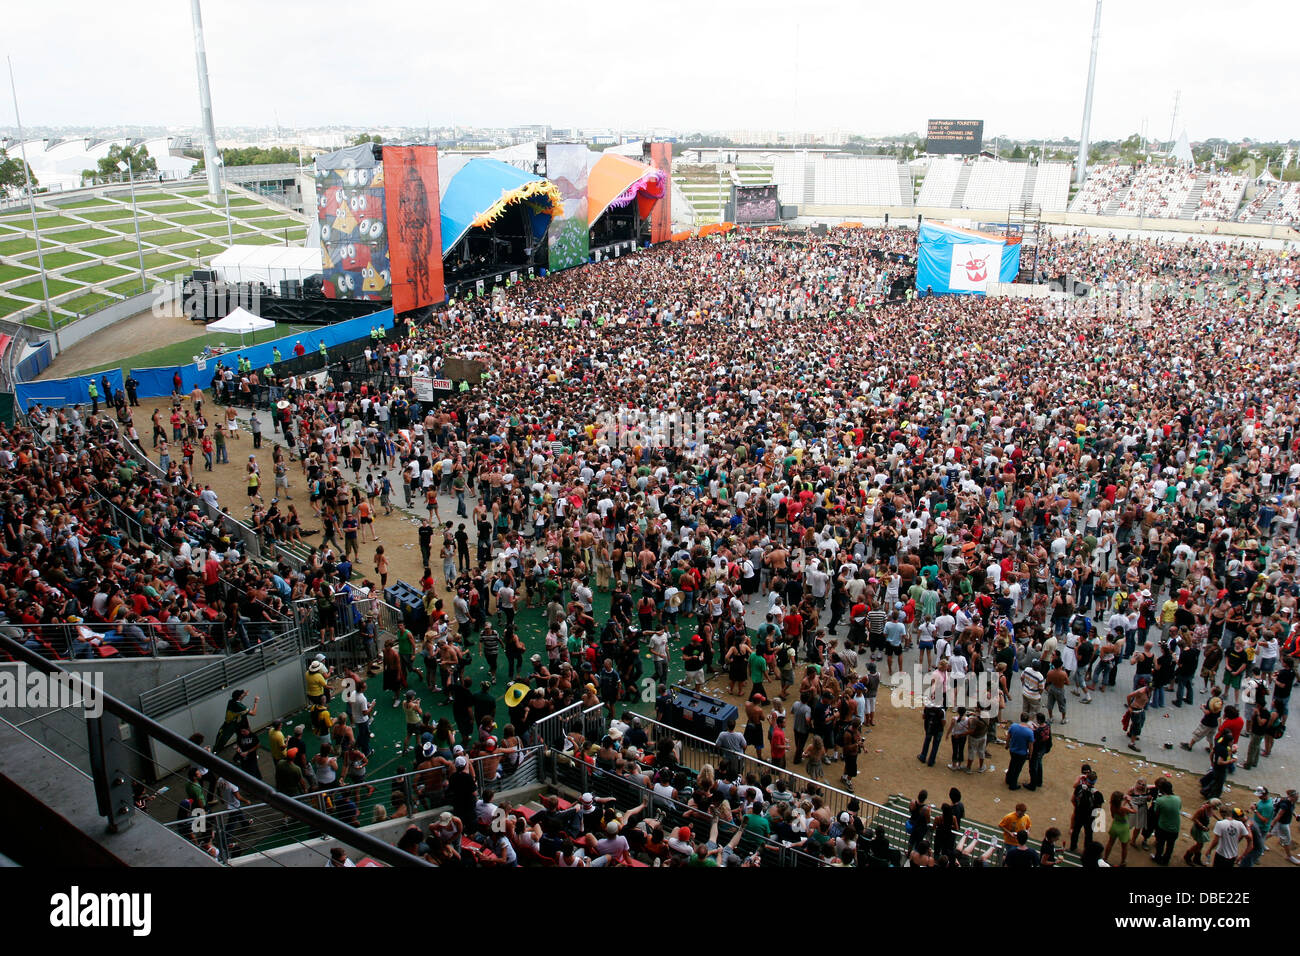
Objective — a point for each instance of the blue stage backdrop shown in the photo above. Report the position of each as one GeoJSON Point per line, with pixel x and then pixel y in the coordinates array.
{"type": "Point", "coordinates": [962, 261]}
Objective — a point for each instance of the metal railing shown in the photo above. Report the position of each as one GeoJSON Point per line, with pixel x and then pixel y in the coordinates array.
{"type": "Point", "coordinates": [122, 639]}
{"type": "Point", "coordinates": [694, 752]}
{"type": "Point", "coordinates": [582, 777]}
{"type": "Point", "coordinates": [260, 828]}
{"type": "Point", "coordinates": [101, 743]}
{"type": "Point", "coordinates": [203, 682]}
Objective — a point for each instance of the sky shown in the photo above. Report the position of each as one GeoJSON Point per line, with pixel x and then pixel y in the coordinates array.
{"type": "Point", "coordinates": [871, 67]}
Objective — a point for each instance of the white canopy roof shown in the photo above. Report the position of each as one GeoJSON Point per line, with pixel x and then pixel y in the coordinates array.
{"type": "Point", "coordinates": [241, 322]}
{"type": "Point", "coordinates": [268, 264]}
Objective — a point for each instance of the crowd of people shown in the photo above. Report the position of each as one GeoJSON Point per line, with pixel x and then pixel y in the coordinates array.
{"type": "Point", "coordinates": [779, 475]}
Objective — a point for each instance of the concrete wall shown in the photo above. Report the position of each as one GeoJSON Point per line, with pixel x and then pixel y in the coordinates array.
{"type": "Point", "coordinates": [64, 731]}
{"type": "Point", "coordinates": [282, 691]}
{"type": "Point", "coordinates": [70, 335]}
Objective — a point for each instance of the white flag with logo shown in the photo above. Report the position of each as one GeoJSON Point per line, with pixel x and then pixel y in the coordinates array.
{"type": "Point", "coordinates": [974, 265]}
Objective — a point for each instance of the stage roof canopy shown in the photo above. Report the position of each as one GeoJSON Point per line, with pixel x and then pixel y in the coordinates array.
{"type": "Point", "coordinates": [615, 180]}
{"type": "Point", "coordinates": [479, 192]}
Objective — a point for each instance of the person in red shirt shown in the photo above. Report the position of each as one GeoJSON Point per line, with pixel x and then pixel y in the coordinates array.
{"type": "Point", "coordinates": [211, 575]}
{"type": "Point", "coordinates": [1232, 721]}
{"type": "Point", "coordinates": [776, 737]}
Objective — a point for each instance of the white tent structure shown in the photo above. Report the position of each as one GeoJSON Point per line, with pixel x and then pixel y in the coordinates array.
{"type": "Point", "coordinates": [267, 264]}
{"type": "Point", "coordinates": [1182, 152]}
{"type": "Point", "coordinates": [240, 322]}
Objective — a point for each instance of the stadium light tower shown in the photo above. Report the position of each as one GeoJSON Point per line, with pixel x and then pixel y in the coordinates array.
{"type": "Point", "coordinates": [1081, 167]}
{"type": "Point", "coordinates": [210, 154]}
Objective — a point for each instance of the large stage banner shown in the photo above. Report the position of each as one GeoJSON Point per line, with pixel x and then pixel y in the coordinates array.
{"type": "Point", "coordinates": [414, 226]}
{"type": "Point", "coordinates": [568, 239]}
{"type": "Point", "coordinates": [353, 236]}
{"type": "Point", "coordinates": [661, 217]}
{"type": "Point", "coordinates": [963, 261]}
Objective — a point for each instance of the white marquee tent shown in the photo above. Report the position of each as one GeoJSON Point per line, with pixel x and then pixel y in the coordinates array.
{"type": "Point", "coordinates": [268, 264]}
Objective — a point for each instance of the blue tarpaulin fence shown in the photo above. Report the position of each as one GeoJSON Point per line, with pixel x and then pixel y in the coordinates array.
{"type": "Point", "coordinates": [159, 381]}
{"type": "Point", "coordinates": [58, 392]}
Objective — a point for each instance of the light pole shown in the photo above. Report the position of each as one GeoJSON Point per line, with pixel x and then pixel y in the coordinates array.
{"type": "Point", "coordinates": [225, 194]}
{"type": "Point", "coordinates": [127, 167]}
{"type": "Point", "coordinates": [31, 205]}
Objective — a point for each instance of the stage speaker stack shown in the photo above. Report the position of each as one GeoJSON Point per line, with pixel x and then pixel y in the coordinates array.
{"type": "Point", "coordinates": [290, 288]}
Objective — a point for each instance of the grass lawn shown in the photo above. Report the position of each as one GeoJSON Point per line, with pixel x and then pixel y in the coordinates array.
{"type": "Point", "coordinates": [13, 247]}
{"type": "Point", "coordinates": [173, 238]}
{"type": "Point", "coordinates": [82, 235]}
{"type": "Point", "coordinates": [260, 212]}
{"type": "Point", "coordinates": [83, 203]}
{"type": "Point", "coordinates": [178, 207]}
{"type": "Point", "coordinates": [259, 239]}
{"type": "Point", "coordinates": [116, 248]}
{"type": "Point", "coordinates": [85, 304]}
{"type": "Point", "coordinates": [57, 222]}
{"type": "Point", "coordinates": [93, 275]}
{"type": "Point", "coordinates": [127, 227]}
{"type": "Point", "coordinates": [107, 215]}
{"type": "Point", "coordinates": [155, 260]}
{"type": "Point", "coordinates": [182, 353]}
{"type": "Point", "coordinates": [56, 260]}
{"type": "Point", "coordinates": [9, 306]}
{"type": "Point", "coordinates": [128, 287]}
{"type": "Point", "coordinates": [144, 197]}
{"type": "Point", "coordinates": [284, 223]}
{"type": "Point", "coordinates": [211, 249]}
{"type": "Point", "coordinates": [8, 273]}
{"type": "Point", "coordinates": [219, 230]}
{"type": "Point", "coordinates": [195, 218]}
{"type": "Point", "coordinates": [32, 290]}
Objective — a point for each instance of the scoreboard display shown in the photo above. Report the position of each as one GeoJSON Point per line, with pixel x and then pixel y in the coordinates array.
{"type": "Point", "coordinates": [964, 137]}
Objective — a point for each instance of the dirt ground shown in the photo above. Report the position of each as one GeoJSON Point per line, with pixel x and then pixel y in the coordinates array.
{"type": "Point", "coordinates": [140, 333]}
{"type": "Point", "coordinates": [888, 764]}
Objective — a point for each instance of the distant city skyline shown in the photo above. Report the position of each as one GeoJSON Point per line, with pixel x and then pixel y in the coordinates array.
{"type": "Point", "coordinates": [798, 65]}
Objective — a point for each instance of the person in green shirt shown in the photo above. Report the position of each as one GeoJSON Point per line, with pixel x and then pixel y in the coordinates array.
{"type": "Point", "coordinates": [1168, 810]}
{"type": "Point", "coordinates": [757, 671]}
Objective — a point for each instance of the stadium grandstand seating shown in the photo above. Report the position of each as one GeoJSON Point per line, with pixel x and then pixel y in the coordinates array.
{"type": "Point", "coordinates": [1219, 197]}
{"type": "Point", "coordinates": [1102, 190]}
{"type": "Point", "coordinates": [940, 185]}
{"type": "Point", "coordinates": [858, 181]}
{"type": "Point", "coordinates": [1051, 190]}
{"type": "Point", "coordinates": [994, 185]}
{"type": "Point", "coordinates": [88, 240]}
{"type": "Point", "coordinates": [1274, 202]}
{"type": "Point", "coordinates": [1158, 192]}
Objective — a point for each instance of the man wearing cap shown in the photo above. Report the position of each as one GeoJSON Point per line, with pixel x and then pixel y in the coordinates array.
{"type": "Point", "coordinates": [1232, 840]}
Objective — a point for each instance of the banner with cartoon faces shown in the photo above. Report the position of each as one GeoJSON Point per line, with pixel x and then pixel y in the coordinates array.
{"type": "Point", "coordinates": [353, 233]}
